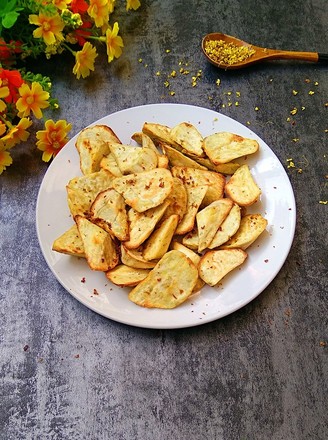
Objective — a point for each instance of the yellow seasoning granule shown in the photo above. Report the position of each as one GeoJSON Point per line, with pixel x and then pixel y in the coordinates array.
{"type": "Point", "coordinates": [227, 53]}
{"type": "Point", "coordinates": [293, 111]}
{"type": "Point", "coordinates": [311, 92]}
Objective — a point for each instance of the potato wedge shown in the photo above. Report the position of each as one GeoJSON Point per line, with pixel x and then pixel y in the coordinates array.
{"type": "Point", "coordinates": [109, 163]}
{"type": "Point", "coordinates": [92, 145]}
{"type": "Point", "coordinates": [159, 133]}
{"type": "Point", "coordinates": [178, 159]}
{"type": "Point", "coordinates": [228, 228]}
{"type": "Point", "coordinates": [196, 195]}
{"type": "Point", "coordinates": [133, 159]}
{"type": "Point", "coordinates": [99, 247]}
{"type": "Point", "coordinates": [242, 187]}
{"type": "Point", "coordinates": [160, 288]}
{"type": "Point", "coordinates": [210, 219]}
{"type": "Point", "coordinates": [146, 190]}
{"type": "Point", "coordinates": [178, 199]}
{"type": "Point", "coordinates": [214, 265]}
{"type": "Point", "coordinates": [224, 147]}
{"type": "Point", "coordinates": [81, 191]}
{"type": "Point", "coordinates": [222, 168]}
{"type": "Point", "coordinates": [147, 142]}
{"type": "Point", "coordinates": [108, 211]}
{"type": "Point", "coordinates": [134, 258]}
{"type": "Point", "coordinates": [197, 177]}
{"type": "Point", "coordinates": [191, 240]}
{"type": "Point", "coordinates": [159, 241]}
{"type": "Point", "coordinates": [189, 138]}
{"type": "Point", "coordinates": [142, 224]}
{"type": "Point", "coordinates": [251, 227]}
{"type": "Point", "coordinates": [195, 258]}
{"type": "Point", "coordinates": [69, 243]}
{"type": "Point", "coordinates": [125, 276]}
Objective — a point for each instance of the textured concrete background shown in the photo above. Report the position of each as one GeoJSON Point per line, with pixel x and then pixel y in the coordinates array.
{"type": "Point", "coordinates": [258, 374]}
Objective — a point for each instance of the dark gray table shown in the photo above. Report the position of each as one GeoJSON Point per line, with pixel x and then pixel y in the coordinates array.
{"type": "Point", "coordinates": [260, 373]}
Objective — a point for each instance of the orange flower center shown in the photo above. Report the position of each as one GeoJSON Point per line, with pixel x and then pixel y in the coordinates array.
{"type": "Point", "coordinates": [53, 135]}
{"type": "Point", "coordinates": [46, 26]}
{"type": "Point", "coordinates": [30, 100]}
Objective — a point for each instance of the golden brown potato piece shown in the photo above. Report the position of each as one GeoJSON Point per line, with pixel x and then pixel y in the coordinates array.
{"type": "Point", "coordinates": [196, 195]}
{"type": "Point", "coordinates": [99, 247]}
{"type": "Point", "coordinates": [164, 288]}
{"type": "Point", "coordinates": [108, 212]}
{"type": "Point", "coordinates": [223, 168]}
{"type": "Point", "coordinates": [69, 243]}
{"type": "Point", "coordinates": [81, 191]}
{"type": "Point", "coordinates": [228, 228]}
{"type": "Point", "coordinates": [214, 265]}
{"type": "Point", "coordinates": [131, 159]}
{"type": "Point", "coordinates": [109, 163]}
{"type": "Point", "coordinates": [196, 177]}
{"type": "Point", "coordinates": [92, 145]}
{"type": "Point", "coordinates": [195, 258]}
{"type": "Point", "coordinates": [178, 199]}
{"type": "Point", "coordinates": [126, 276]}
{"type": "Point", "coordinates": [209, 220]}
{"type": "Point", "coordinates": [191, 240]}
{"type": "Point", "coordinates": [242, 187]}
{"type": "Point", "coordinates": [224, 147]}
{"type": "Point", "coordinates": [251, 227]}
{"type": "Point", "coordinates": [189, 138]}
{"type": "Point", "coordinates": [159, 241]}
{"type": "Point", "coordinates": [134, 258]}
{"type": "Point", "coordinates": [178, 159]}
{"type": "Point", "coordinates": [146, 190]}
{"type": "Point", "coordinates": [159, 133]}
{"type": "Point", "coordinates": [142, 224]}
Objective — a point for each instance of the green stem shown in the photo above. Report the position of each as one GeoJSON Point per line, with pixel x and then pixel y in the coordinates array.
{"type": "Point", "coordinates": [73, 52]}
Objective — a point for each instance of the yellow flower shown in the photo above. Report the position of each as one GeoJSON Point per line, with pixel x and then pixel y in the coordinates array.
{"type": "Point", "coordinates": [17, 133]}
{"type": "Point", "coordinates": [5, 158]}
{"type": "Point", "coordinates": [50, 27]}
{"type": "Point", "coordinates": [3, 128]}
{"type": "Point", "coordinates": [34, 98]}
{"type": "Point", "coordinates": [85, 60]}
{"type": "Point", "coordinates": [114, 42]}
{"type": "Point", "coordinates": [61, 4]}
{"type": "Point", "coordinates": [4, 92]}
{"type": "Point", "coordinates": [132, 4]}
{"type": "Point", "coordinates": [99, 11]}
{"type": "Point", "coordinates": [53, 138]}
{"type": "Point", "coordinates": [111, 5]}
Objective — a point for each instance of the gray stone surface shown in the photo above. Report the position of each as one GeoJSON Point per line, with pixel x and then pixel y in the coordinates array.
{"type": "Point", "coordinates": [258, 374]}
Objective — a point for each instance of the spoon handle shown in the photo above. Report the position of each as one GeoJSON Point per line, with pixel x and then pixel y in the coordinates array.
{"type": "Point", "coordinates": [323, 57]}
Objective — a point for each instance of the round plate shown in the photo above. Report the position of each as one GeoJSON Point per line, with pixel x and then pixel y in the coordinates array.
{"type": "Point", "coordinates": [265, 257]}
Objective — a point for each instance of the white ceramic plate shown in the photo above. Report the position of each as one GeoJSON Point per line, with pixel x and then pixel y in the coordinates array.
{"type": "Point", "coordinates": [265, 257]}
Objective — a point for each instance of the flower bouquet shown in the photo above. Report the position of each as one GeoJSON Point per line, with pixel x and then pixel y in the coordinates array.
{"type": "Point", "coordinates": [31, 28]}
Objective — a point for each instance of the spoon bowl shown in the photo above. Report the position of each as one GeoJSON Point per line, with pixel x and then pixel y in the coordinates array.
{"type": "Point", "coordinates": [247, 54]}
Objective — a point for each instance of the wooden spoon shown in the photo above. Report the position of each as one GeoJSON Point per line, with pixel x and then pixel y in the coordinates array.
{"type": "Point", "coordinates": [259, 53]}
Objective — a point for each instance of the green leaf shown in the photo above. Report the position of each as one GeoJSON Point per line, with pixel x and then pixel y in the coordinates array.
{"type": "Point", "coordinates": [7, 6]}
{"type": "Point", "coordinates": [9, 19]}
